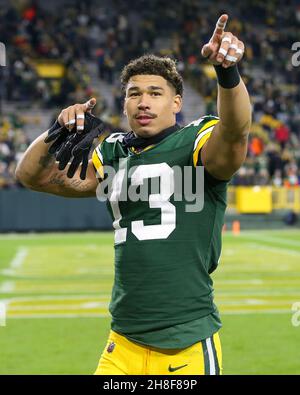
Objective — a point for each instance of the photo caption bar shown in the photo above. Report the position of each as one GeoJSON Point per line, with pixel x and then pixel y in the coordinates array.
{"type": "Point", "coordinates": [150, 384]}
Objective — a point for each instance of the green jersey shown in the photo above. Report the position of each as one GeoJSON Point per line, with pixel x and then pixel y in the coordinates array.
{"type": "Point", "coordinates": [164, 253]}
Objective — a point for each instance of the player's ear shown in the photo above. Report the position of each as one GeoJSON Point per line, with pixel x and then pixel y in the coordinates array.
{"type": "Point", "coordinates": [177, 104]}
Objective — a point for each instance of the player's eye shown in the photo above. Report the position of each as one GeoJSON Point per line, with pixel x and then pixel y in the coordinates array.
{"type": "Point", "coordinates": [132, 94]}
{"type": "Point", "coordinates": [155, 94]}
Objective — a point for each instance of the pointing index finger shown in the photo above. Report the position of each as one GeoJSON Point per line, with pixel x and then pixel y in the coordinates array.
{"type": "Point", "coordinates": [220, 26]}
{"type": "Point", "coordinates": [90, 104]}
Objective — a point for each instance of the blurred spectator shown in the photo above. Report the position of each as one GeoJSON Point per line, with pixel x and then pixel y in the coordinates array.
{"type": "Point", "coordinates": [256, 146]}
{"type": "Point", "coordinates": [292, 175]}
{"type": "Point", "coordinates": [13, 143]}
{"type": "Point", "coordinates": [282, 134]}
{"type": "Point", "coordinates": [277, 179]}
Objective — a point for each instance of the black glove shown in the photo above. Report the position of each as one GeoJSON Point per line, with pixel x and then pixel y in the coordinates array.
{"type": "Point", "coordinates": [82, 145]}
{"type": "Point", "coordinates": [79, 145]}
{"type": "Point", "coordinates": [59, 134]}
{"type": "Point", "coordinates": [81, 150]}
{"type": "Point", "coordinates": [64, 153]}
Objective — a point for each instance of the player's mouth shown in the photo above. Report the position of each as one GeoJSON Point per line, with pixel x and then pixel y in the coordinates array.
{"type": "Point", "coordinates": [144, 119]}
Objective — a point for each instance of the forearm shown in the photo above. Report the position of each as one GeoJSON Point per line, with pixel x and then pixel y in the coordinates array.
{"type": "Point", "coordinates": [36, 163]}
{"type": "Point", "coordinates": [38, 170]}
{"type": "Point", "coordinates": [234, 110]}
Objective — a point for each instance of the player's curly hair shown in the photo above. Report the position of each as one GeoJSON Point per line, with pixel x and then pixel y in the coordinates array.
{"type": "Point", "coordinates": [152, 64]}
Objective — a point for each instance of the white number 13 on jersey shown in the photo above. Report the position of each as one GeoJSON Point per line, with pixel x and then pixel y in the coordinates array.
{"type": "Point", "coordinates": [159, 200]}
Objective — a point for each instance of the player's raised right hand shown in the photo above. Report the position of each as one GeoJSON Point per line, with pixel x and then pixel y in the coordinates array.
{"type": "Point", "coordinates": [223, 47]}
{"type": "Point", "coordinates": [73, 116]}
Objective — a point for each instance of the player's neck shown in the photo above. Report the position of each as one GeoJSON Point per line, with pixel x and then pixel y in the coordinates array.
{"type": "Point", "coordinates": [132, 140]}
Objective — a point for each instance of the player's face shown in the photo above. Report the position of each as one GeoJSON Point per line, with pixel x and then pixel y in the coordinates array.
{"type": "Point", "coordinates": [150, 104]}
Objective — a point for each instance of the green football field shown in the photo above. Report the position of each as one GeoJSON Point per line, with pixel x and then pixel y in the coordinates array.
{"type": "Point", "coordinates": [56, 289]}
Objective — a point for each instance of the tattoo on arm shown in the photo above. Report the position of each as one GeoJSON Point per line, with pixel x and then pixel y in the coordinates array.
{"type": "Point", "coordinates": [46, 161]}
{"type": "Point", "coordinates": [60, 179]}
{"type": "Point", "coordinates": [76, 184]}
{"type": "Point", "coordinates": [57, 179]}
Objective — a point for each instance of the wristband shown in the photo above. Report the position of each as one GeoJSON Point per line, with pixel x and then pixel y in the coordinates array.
{"type": "Point", "coordinates": [227, 78]}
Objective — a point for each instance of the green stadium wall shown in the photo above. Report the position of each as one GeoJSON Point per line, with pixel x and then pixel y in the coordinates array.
{"type": "Point", "coordinates": [22, 210]}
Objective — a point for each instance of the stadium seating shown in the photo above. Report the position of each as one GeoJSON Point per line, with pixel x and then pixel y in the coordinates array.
{"type": "Point", "coordinates": [49, 74]}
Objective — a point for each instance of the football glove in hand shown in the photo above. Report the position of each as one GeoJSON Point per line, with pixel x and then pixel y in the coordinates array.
{"type": "Point", "coordinates": [79, 147]}
{"type": "Point", "coordinates": [80, 151]}
{"type": "Point", "coordinates": [65, 141]}
{"type": "Point", "coordinates": [59, 134]}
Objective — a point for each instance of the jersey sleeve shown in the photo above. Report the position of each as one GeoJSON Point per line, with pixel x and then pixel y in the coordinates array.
{"type": "Point", "coordinates": [204, 133]}
{"type": "Point", "coordinates": [104, 154]}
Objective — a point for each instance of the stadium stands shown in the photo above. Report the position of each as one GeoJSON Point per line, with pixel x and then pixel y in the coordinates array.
{"type": "Point", "coordinates": [50, 55]}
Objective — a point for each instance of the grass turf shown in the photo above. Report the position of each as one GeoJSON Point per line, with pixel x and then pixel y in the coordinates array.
{"type": "Point", "coordinates": [57, 288]}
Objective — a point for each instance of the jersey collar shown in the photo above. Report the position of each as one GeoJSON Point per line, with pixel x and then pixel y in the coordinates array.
{"type": "Point", "coordinates": [130, 140]}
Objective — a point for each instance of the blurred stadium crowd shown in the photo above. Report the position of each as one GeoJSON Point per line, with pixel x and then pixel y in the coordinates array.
{"type": "Point", "coordinates": [109, 33]}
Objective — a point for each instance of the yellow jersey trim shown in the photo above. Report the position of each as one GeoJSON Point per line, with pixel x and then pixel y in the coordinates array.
{"type": "Point", "coordinates": [202, 136]}
{"type": "Point", "coordinates": [208, 125]}
{"type": "Point", "coordinates": [98, 164]}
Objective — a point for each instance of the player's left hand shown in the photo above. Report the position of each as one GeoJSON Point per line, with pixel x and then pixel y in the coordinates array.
{"type": "Point", "coordinates": [223, 47]}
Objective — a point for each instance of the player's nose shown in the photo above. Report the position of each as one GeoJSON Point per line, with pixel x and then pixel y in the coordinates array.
{"type": "Point", "coordinates": [143, 103]}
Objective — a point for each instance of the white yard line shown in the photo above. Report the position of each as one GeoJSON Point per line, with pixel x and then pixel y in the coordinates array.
{"type": "Point", "coordinates": [65, 307]}
{"type": "Point", "coordinates": [71, 315]}
{"type": "Point", "coordinates": [255, 292]}
{"type": "Point", "coordinates": [277, 250]}
{"type": "Point", "coordinates": [63, 297]}
{"type": "Point", "coordinates": [19, 258]}
{"type": "Point", "coordinates": [245, 312]}
{"type": "Point", "coordinates": [15, 263]}
{"type": "Point", "coordinates": [271, 239]}
{"type": "Point", "coordinates": [96, 315]}
{"type": "Point", "coordinates": [252, 282]}
{"type": "Point", "coordinates": [255, 302]}
{"type": "Point", "coordinates": [287, 242]}
{"type": "Point", "coordinates": [7, 287]}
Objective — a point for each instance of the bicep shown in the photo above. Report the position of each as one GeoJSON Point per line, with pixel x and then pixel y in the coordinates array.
{"type": "Point", "coordinates": [222, 156]}
{"type": "Point", "coordinates": [58, 183]}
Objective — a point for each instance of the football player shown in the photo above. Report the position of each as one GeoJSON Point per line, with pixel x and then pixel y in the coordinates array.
{"type": "Point", "coordinates": [164, 320]}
